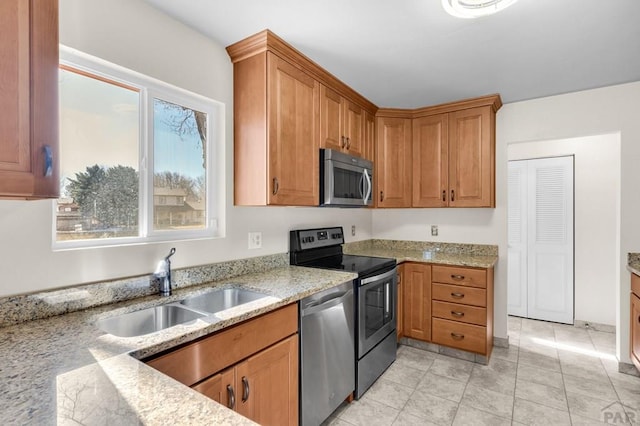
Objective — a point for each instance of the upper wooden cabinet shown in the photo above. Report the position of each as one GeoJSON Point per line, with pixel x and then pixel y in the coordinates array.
{"type": "Point", "coordinates": [29, 101]}
{"type": "Point", "coordinates": [369, 136]}
{"type": "Point", "coordinates": [342, 124]}
{"type": "Point", "coordinates": [285, 108]}
{"type": "Point", "coordinates": [392, 170]}
{"type": "Point", "coordinates": [430, 161]}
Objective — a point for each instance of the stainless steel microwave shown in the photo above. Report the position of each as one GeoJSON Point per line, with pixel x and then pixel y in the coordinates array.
{"type": "Point", "coordinates": [345, 180]}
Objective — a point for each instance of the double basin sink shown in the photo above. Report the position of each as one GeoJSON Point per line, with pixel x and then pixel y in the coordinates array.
{"type": "Point", "coordinates": [158, 318]}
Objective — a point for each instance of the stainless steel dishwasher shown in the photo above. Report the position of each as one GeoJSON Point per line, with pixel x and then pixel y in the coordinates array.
{"type": "Point", "coordinates": [327, 357]}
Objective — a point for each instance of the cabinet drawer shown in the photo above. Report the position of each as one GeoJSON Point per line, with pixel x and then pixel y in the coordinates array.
{"type": "Point", "coordinates": [459, 335]}
{"type": "Point", "coordinates": [459, 294]}
{"type": "Point", "coordinates": [635, 284]}
{"type": "Point", "coordinates": [459, 276]}
{"type": "Point", "coordinates": [195, 361]}
{"type": "Point", "coordinates": [458, 312]}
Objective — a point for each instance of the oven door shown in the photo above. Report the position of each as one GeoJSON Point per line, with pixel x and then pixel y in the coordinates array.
{"type": "Point", "coordinates": [376, 309]}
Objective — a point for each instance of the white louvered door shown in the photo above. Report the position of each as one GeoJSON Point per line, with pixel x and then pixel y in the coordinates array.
{"type": "Point", "coordinates": [545, 225]}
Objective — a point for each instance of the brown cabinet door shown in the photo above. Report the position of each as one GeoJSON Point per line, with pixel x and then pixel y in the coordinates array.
{"type": "Point", "coordinates": [29, 101]}
{"type": "Point", "coordinates": [430, 161]}
{"type": "Point", "coordinates": [267, 385]}
{"type": "Point", "coordinates": [417, 301]}
{"type": "Point", "coordinates": [354, 129]}
{"type": "Point", "coordinates": [471, 158]}
{"type": "Point", "coordinates": [635, 330]}
{"type": "Point", "coordinates": [332, 126]}
{"type": "Point", "coordinates": [220, 387]}
{"type": "Point", "coordinates": [399, 309]}
{"type": "Point", "coordinates": [294, 120]}
{"type": "Point", "coordinates": [369, 136]}
{"type": "Point", "coordinates": [393, 162]}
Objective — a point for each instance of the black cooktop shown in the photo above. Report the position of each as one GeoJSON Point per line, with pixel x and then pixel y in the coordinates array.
{"type": "Point", "coordinates": [322, 248]}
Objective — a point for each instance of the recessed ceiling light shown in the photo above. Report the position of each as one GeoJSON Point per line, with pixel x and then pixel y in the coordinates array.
{"type": "Point", "coordinates": [475, 8]}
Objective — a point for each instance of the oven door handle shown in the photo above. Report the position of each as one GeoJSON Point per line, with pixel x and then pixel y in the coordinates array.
{"type": "Point", "coordinates": [389, 274]}
{"type": "Point", "coordinates": [329, 303]}
{"type": "Point", "coordinates": [367, 179]}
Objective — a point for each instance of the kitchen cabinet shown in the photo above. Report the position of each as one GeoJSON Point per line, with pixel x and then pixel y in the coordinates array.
{"type": "Point", "coordinates": [341, 123]}
{"type": "Point", "coordinates": [417, 301]}
{"type": "Point", "coordinates": [462, 308]}
{"type": "Point", "coordinates": [369, 136]}
{"type": "Point", "coordinates": [454, 154]}
{"type": "Point", "coordinates": [257, 372]}
{"type": "Point", "coordinates": [392, 174]}
{"type": "Point", "coordinates": [635, 321]}
{"type": "Point", "coordinates": [279, 122]}
{"type": "Point", "coordinates": [400, 303]}
{"type": "Point", "coordinates": [29, 101]}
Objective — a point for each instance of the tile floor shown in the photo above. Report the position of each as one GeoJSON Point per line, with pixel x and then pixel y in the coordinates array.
{"type": "Point", "coordinates": [551, 374]}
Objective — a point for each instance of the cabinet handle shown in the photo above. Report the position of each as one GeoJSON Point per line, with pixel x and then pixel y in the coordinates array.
{"type": "Point", "coordinates": [457, 295]}
{"type": "Point", "coordinates": [276, 186]}
{"type": "Point", "coordinates": [453, 197]}
{"type": "Point", "coordinates": [444, 195]}
{"type": "Point", "coordinates": [245, 389]}
{"type": "Point", "coordinates": [232, 397]}
{"type": "Point", "coordinates": [457, 277]}
{"type": "Point", "coordinates": [457, 314]}
{"type": "Point", "coordinates": [457, 336]}
{"type": "Point", "coordinates": [399, 278]}
{"type": "Point", "coordinates": [348, 143]}
{"type": "Point", "coordinates": [381, 195]}
{"type": "Point", "coordinates": [343, 144]}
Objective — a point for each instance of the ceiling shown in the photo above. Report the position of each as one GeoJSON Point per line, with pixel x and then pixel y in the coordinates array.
{"type": "Point", "coordinates": [410, 53]}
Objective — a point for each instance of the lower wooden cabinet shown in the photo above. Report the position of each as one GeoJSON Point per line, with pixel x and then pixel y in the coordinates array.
{"type": "Point", "coordinates": [634, 344]}
{"type": "Point", "coordinates": [251, 368]}
{"type": "Point", "coordinates": [417, 301]}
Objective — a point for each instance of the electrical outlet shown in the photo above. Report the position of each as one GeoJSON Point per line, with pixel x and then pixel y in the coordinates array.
{"type": "Point", "coordinates": [434, 230]}
{"type": "Point", "coordinates": [353, 230]}
{"type": "Point", "coordinates": [255, 240]}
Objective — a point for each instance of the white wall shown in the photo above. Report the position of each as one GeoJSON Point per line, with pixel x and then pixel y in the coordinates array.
{"type": "Point", "coordinates": [135, 35]}
{"type": "Point", "coordinates": [596, 177]}
{"type": "Point", "coordinates": [613, 109]}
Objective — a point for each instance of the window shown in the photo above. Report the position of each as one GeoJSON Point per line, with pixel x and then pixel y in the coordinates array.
{"type": "Point", "coordinates": [137, 158]}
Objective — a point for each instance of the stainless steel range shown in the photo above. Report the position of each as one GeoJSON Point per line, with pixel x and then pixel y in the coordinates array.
{"type": "Point", "coordinates": [375, 297]}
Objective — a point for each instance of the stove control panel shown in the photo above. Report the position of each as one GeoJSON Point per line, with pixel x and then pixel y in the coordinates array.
{"type": "Point", "coordinates": [305, 239]}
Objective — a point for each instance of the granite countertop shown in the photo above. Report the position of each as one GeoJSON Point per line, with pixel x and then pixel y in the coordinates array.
{"type": "Point", "coordinates": [427, 256]}
{"type": "Point", "coordinates": [633, 263]}
{"type": "Point", "coordinates": [64, 370]}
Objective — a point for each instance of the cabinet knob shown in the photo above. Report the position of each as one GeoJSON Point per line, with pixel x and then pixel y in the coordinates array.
{"type": "Point", "coordinates": [457, 336]}
{"type": "Point", "coordinates": [381, 195]}
{"type": "Point", "coordinates": [348, 143]}
{"type": "Point", "coordinates": [457, 314]}
{"type": "Point", "coordinates": [457, 295]}
{"type": "Point", "coordinates": [343, 144]}
{"type": "Point", "coordinates": [457, 277]}
{"type": "Point", "coordinates": [453, 195]}
{"type": "Point", "coordinates": [48, 161]}
{"type": "Point", "coordinates": [444, 195]}
{"type": "Point", "coordinates": [276, 186]}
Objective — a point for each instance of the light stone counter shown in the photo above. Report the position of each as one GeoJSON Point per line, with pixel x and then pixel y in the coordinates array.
{"type": "Point", "coordinates": [633, 263]}
{"type": "Point", "coordinates": [64, 370]}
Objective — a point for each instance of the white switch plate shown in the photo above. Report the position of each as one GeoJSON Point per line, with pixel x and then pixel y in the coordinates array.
{"type": "Point", "coordinates": [255, 240]}
{"type": "Point", "coordinates": [434, 230]}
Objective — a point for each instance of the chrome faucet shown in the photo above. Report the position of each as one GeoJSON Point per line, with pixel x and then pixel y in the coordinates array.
{"type": "Point", "coordinates": [163, 274]}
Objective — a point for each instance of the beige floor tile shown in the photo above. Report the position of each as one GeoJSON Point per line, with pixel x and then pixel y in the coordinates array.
{"type": "Point", "coordinates": [472, 416]}
{"type": "Point", "coordinates": [594, 388]}
{"type": "Point", "coordinates": [404, 375]}
{"type": "Point", "coordinates": [496, 381]}
{"type": "Point", "coordinates": [431, 408]}
{"type": "Point", "coordinates": [452, 368]}
{"type": "Point", "coordinates": [389, 393]}
{"type": "Point", "coordinates": [367, 412]}
{"type": "Point", "coordinates": [594, 408]}
{"type": "Point", "coordinates": [442, 386]}
{"type": "Point", "coordinates": [539, 360]}
{"type": "Point", "coordinates": [541, 394]}
{"type": "Point", "coordinates": [491, 402]}
{"type": "Point", "coordinates": [530, 413]}
{"type": "Point", "coordinates": [509, 354]}
{"type": "Point", "coordinates": [541, 376]}
{"type": "Point", "coordinates": [405, 419]}
{"type": "Point", "coordinates": [415, 358]}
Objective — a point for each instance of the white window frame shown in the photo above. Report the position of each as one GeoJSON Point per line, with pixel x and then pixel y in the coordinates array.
{"type": "Point", "coordinates": [150, 89]}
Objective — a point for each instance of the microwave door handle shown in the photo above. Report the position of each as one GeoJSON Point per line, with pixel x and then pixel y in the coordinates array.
{"type": "Point", "coordinates": [365, 173]}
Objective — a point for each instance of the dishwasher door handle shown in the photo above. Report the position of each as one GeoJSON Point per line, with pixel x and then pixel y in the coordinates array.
{"type": "Point", "coordinates": [334, 301]}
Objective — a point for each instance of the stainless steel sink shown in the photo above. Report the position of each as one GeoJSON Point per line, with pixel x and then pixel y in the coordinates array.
{"type": "Point", "coordinates": [220, 300]}
{"type": "Point", "coordinates": [147, 321]}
